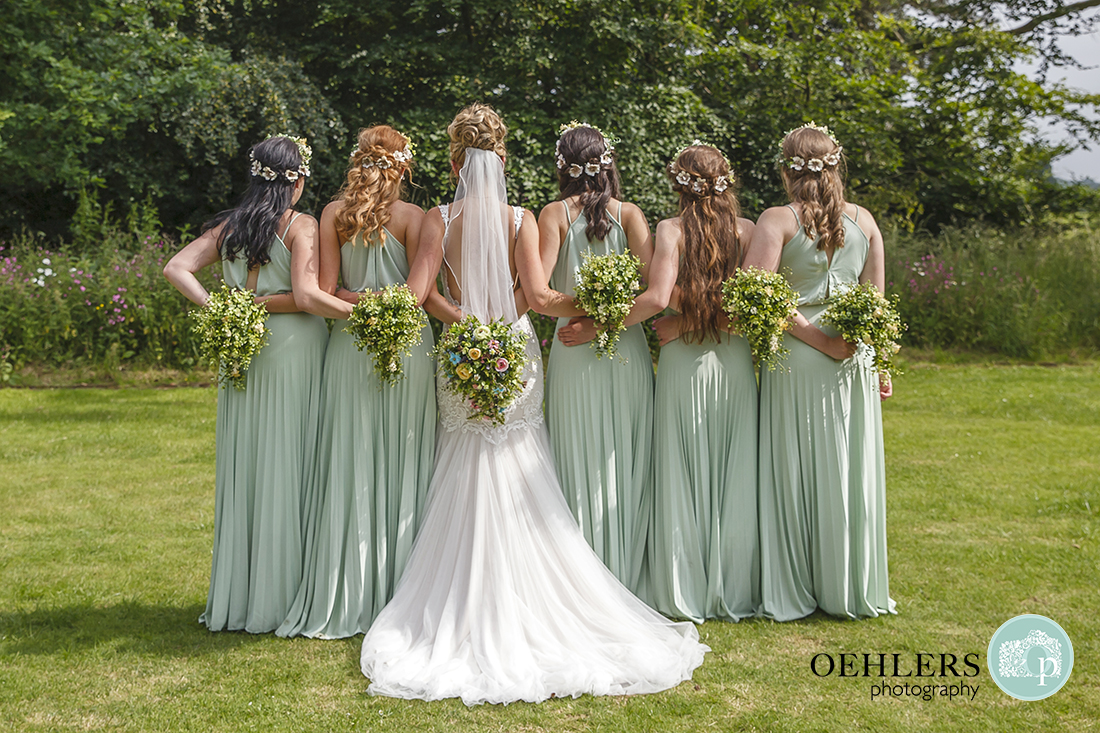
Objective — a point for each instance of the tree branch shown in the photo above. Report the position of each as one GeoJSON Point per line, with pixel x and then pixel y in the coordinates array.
{"type": "Point", "coordinates": [1035, 22]}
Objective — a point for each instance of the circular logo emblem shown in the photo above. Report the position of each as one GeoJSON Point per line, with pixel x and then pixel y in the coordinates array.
{"type": "Point", "coordinates": [1030, 657]}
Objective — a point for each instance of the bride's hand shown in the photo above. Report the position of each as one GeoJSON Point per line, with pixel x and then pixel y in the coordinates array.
{"type": "Point", "coordinates": [579, 330]}
{"type": "Point", "coordinates": [885, 386]}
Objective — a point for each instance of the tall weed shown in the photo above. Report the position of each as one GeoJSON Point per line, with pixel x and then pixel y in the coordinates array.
{"type": "Point", "coordinates": [111, 305]}
{"type": "Point", "coordinates": [1023, 294]}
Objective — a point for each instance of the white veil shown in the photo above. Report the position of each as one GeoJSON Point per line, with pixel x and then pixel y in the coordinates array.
{"type": "Point", "coordinates": [483, 217]}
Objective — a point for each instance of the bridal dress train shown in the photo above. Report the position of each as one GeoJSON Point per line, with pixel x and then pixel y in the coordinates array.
{"type": "Point", "coordinates": [502, 598]}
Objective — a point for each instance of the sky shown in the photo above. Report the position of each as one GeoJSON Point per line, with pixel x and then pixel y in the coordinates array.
{"type": "Point", "coordinates": [1086, 49]}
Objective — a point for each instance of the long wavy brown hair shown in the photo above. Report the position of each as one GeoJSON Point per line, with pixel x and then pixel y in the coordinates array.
{"type": "Point", "coordinates": [477, 126]}
{"type": "Point", "coordinates": [369, 193]}
{"type": "Point", "coordinates": [820, 193]}
{"type": "Point", "coordinates": [583, 146]}
{"type": "Point", "coordinates": [712, 249]}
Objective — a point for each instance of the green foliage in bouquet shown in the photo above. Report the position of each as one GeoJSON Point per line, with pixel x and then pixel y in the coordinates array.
{"type": "Point", "coordinates": [482, 363]}
{"type": "Point", "coordinates": [760, 303]}
{"type": "Point", "coordinates": [605, 289]}
{"type": "Point", "coordinates": [862, 313]}
{"type": "Point", "coordinates": [231, 331]}
{"type": "Point", "coordinates": [387, 325]}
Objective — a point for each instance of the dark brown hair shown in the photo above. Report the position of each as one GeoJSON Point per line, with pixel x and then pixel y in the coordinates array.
{"type": "Point", "coordinates": [583, 146]}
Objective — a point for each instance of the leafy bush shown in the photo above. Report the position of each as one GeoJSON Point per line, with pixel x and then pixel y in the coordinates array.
{"type": "Point", "coordinates": [58, 306]}
{"type": "Point", "coordinates": [1024, 294]}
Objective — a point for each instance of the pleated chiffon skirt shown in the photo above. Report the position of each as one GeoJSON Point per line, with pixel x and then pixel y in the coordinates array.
{"type": "Point", "coordinates": [703, 558]}
{"type": "Point", "coordinates": [822, 486]}
{"type": "Point", "coordinates": [266, 439]}
{"type": "Point", "coordinates": [366, 496]}
{"type": "Point", "coordinates": [599, 413]}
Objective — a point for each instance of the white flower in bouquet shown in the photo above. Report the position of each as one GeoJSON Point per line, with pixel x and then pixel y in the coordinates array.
{"type": "Point", "coordinates": [386, 325]}
{"type": "Point", "coordinates": [231, 332]}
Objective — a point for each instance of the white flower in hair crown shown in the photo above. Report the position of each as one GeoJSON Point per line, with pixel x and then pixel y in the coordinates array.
{"type": "Point", "coordinates": [387, 160]}
{"type": "Point", "coordinates": [699, 184]}
{"type": "Point", "coordinates": [814, 165]}
{"type": "Point", "coordinates": [268, 174]}
{"type": "Point", "coordinates": [592, 166]}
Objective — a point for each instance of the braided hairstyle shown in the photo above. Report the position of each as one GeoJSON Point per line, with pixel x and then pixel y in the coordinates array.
{"type": "Point", "coordinates": [250, 226]}
{"type": "Point", "coordinates": [712, 249]}
{"type": "Point", "coordinates": [374, 181]}
{"type": "Point", "coordinates": [821, 193]}
{"type": "Point", "coordinates": [585, 149]}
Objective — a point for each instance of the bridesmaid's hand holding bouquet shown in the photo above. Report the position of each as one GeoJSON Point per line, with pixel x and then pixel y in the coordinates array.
{"type": "Point", "coordinates": [482, 363]}
{"type": "Point", "coordinates": [231, 330]}
{"type": "Point", "coordinates": [760, 304]}
{"type": "Point", "coordinates": [605, 289]}
{"type": "Point", "coordinates": [862, 313]}
{"type": "Point", "coordinates": [387, 324]}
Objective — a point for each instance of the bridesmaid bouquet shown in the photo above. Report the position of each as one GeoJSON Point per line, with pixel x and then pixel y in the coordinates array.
{"type": "Point", "coordinates": [388, 324]}
{"type": "Point", "coordinates": [760, 303]}
{"type": "Point", "coordinates": [862, 313]}
{"type": "Point", "coordinates": [482, 363]}
{"type": "Point", "coordinates": [605, 288]}
{"type": "Point", "coordinates": [231, 331]}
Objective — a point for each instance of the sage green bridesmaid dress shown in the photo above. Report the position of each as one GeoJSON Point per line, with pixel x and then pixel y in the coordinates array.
{"type": "Point", "coordinates": [599, 413]}
{"type": "Point", "coordinates": [703, 549]}
{"type": "Point", "coordinates": [266, 436]}
{"type": "Point", "coordinates": [822, 468]}
{"type": "Point", "coordinates": [374, 463]}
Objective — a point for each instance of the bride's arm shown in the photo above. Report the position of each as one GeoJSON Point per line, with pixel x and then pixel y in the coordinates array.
{"type": "Point", "coordinates": [527, 245]}
{"type": "Point", "coordinates": [535, 260]}
{"type": "Point", "coordinates": [429, 257]}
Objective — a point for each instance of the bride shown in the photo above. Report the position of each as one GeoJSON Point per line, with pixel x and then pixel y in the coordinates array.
{"type": "Point", "coordinates": [502, 599]}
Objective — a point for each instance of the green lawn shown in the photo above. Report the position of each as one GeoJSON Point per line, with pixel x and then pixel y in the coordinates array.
{"type": "Point", "coordinates": [106, 511]}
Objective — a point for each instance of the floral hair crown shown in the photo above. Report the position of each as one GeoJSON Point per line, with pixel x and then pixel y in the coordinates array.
{"type": "Point", "coordinates": [815, 165]}
{"type": "Point", "coordinates": [387, 160]}
{"type": "Point", "coordinates": [593, 165]}
{"type": "Point", "coordinates": [699, 185]}
{"type": "Point", "coordinates": [268, 174]}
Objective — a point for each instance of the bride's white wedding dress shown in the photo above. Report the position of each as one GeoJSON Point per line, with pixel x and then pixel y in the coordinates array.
{"type": "Point", "coordinates": [502, 599]}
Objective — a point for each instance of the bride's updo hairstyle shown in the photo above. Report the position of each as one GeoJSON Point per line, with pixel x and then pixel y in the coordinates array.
{"type": "Point", "coordinates": [712, 248]}
{"type": "Point", "coordinates": [586, 167]}
{"type": "Point", "coordinates": [813, 171]}
{"type": "Point", "coordinates": [374, 182]}
{"type": "Point", "coordinates": [250, 227]}
{"type": "Point", "coordinates": [477, 126]}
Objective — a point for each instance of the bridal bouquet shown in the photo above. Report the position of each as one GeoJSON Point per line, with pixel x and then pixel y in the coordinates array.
{"type": "Point", "coordinates": [604, 289]}
{"type": "Point", "coordinates": [862, 313]}
{"type": "Point", "coordinates": [482, 364]}
{"type": "Point", "coordinates": [387, 324]}
{"type": "Point", "coordinates": [760, 303]}
{"type": "Point", "coordinates": [231, 331]}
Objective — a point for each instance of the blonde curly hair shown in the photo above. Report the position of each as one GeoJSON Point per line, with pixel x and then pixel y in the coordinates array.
{"type": "Point", "coordinates": [369, 192]}
{"type": "Point", "coordinates": [477, 126]}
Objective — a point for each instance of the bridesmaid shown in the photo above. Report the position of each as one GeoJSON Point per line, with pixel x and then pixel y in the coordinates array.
{"type": "Point", "coordinates": [703, 552]}
{"type": "Point", "coordinates": [599, 411]}
{"type": "Point", "coordinates": [265, 434]}
{"type": "Point", "coordinates": [376, 442]}
{"type": "Point", "coordinates": [822, 475]}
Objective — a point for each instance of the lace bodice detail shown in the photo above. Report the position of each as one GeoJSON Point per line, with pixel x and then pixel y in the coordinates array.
{"type": "Point", "coordinates": [526, 411]}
